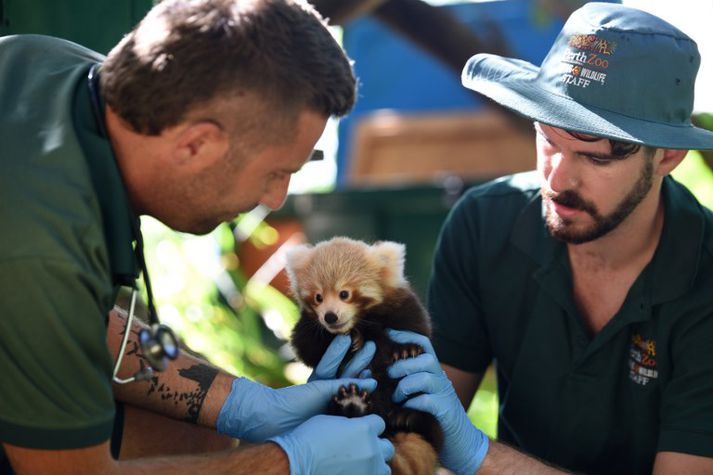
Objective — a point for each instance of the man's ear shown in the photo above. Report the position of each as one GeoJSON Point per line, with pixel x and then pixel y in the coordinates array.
{"type": "Point", "coordinates": [200, 141]}
{"type": "Point", "coordinates": [669, 160]}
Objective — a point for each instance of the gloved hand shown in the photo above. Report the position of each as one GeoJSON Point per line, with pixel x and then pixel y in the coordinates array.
{"type": "Point", "coordinates": [465, 446]}
{"type": "Point", "coordinates": [338, 445]}
{"type": "Point", "coordinates": [255, 412]}
{"type": "Point", "coordinates": [332, 358]}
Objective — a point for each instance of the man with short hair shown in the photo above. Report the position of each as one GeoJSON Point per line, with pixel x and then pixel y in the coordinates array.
{"type": "Point", "coordinates": [203, 111]}
{"type": "Point", "coordinates": [588, 281]}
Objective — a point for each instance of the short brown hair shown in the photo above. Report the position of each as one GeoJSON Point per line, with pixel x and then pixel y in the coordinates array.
{"type": "Point", "coordinates": [619, 149]}
{"type": "Point", "coordinates": [186, 53]}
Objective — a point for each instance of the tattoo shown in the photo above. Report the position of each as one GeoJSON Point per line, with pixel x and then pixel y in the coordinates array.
{"type": "Point", "coordinates": [133, 348]}
{"type": "Point", "coordinates": [204, 376]}
{"type": "Point", "coordinates": [201, 374]}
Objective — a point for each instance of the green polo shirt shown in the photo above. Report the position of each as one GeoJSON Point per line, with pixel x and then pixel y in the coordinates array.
{"type": "Point", "coordinates": [65, 245]}
{"type": "Point", "coordinates": [501, 291]}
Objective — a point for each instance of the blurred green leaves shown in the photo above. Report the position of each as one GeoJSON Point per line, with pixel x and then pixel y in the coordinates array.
{"type": "Point", "coordinates": [203, 294]}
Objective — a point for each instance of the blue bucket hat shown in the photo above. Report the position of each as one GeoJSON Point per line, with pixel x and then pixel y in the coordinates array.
{"type": "Point", "coordinates": [614, 72]}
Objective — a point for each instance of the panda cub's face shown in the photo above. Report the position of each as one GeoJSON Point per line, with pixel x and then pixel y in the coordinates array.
{"type": "Point", "coordinates": [336, 309]}
{"type": "Point", "coordinates": [337, 280]}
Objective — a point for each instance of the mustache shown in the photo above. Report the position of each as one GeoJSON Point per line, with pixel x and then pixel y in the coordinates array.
{"type": "Point", "coordinates": [570, 199]}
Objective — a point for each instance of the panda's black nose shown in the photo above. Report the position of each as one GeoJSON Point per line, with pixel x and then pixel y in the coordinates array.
{"type": "Point", "coordinates": [330, 317]}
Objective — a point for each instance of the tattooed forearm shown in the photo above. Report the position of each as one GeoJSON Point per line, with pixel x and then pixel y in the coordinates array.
{"type": "Point", "coordinates": [202, 374]}
{"type": "Point", "coordinates": [180, 391]}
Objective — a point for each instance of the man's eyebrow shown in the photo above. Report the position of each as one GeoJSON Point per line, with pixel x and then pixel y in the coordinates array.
{"type": "Point", "coordinates": [602, 156]}
{"type": "Point", "coordinates": [596, 155]}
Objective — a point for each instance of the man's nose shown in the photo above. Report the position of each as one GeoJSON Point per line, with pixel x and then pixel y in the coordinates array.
{"type": "Point", "coordinates": [275, 196]}
{"type": "Point", "coordinates": [563, 172]}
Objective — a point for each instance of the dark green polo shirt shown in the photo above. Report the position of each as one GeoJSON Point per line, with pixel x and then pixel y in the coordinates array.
{"type": "Point", "coordinates": [65, 244]}
{"type": "Point", "coordinates": [501, 291]}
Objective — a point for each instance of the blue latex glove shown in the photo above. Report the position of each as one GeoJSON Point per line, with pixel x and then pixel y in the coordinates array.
{"type": "Point", "coordinates": [338, 445]}
{"type": "Point", "coordinates": [332, 358]}
{"type": "Point", "coordinates": [465, 446]}
{"type": "Point", "coordinates": [255, 412]}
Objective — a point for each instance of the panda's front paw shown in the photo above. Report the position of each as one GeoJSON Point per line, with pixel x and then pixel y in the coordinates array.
{"type": "Point", "coordinates": [406, 350]}
{"type": "Point", "coordinates": [350, 402]}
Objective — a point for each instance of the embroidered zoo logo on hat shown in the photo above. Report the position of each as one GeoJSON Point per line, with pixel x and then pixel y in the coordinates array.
{"type": "Point", "coordinates": [588, 58]}
{"type": "Point", "coordinates": [592, 43]}
{"type": "Point", "coordinates": [642, 360]}
{"type": "Point", "coordinates": [613, 72]}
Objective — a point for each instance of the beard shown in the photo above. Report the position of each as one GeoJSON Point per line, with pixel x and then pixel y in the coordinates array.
{"type": "Point", "coordinates": [562, 228]}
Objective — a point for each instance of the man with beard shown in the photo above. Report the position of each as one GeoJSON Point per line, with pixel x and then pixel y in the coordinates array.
{"type": "Point", "coordinates": [588, 282]}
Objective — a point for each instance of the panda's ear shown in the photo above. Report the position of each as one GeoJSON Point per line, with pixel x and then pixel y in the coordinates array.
{"type": "Point", "coordinates": [390, 257]}
{"type": "Point", "coordinates": [297, 258]}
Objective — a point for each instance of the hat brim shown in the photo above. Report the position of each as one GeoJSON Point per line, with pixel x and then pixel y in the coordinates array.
{"type": "Point", "coordinates": [512, 83]}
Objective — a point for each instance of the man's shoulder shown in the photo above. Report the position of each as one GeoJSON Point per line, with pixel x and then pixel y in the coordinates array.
{"type": "Point", "coordinates": [38, 72]}
{"type": "Point", "coordinates": [689, 208]}
{"type": "Point", "coordinates": [46, 44]}
{"type": "Point", "coordinates": [492, 212]}
{"type": "Point", "coordinates": [519, 185]}
{"type": "Point", "coordinates": [502, 196]}
{"type": "Point", "coordinates": [44, 167]}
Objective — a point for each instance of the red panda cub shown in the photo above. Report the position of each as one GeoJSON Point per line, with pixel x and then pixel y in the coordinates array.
{"type": "Point", "coordinates": [345, 286]}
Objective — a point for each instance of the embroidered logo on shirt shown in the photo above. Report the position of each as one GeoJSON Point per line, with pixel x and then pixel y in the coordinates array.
{"type": "Point", "coordinates": [642, 360]}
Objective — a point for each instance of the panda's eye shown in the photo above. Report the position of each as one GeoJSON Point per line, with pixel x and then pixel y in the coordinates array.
{"type": "Point", "coordinates": [344, 294]}
{"type": "Point", "coordinates": [318, 298]}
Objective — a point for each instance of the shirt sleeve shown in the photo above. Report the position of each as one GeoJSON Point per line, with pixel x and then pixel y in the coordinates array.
{"type": "Point", "coordinates": [460, 338]}
{"type": "Point", "coordinates": [55, 365]}
{"type": "Point", "coordinates": [687, 400]}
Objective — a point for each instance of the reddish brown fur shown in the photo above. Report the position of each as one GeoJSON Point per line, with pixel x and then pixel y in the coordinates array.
{"type": "Point", "coordinates": [379, 298]}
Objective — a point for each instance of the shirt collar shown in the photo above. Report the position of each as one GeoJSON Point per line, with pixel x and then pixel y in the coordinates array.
{"type": "Point", "coordinates": [119, 221]}
{"type": "Point", "coordinates": [530, 235]}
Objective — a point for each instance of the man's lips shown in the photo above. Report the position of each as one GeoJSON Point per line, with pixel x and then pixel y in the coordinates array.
{"type": "Point", "coordinates": [565, 211]}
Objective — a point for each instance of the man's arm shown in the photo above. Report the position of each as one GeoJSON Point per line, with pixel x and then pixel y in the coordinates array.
{"type": "Point", "coordinates": [315, 446]}
{"type": "Point", "coordinates": [500, 458]}
{"type": "Point", "coordinates": [190, 389]}
{"type": "Point", "coordinates": [669, 463]}
{"type": "Point", "coordinates": [504, 460]}
{"type": "Point", "coordinates": [266, 458]}
{"type": "Point", "coordinates": [465, 383]}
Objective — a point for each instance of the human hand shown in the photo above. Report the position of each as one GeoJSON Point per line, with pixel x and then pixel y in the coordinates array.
{"type": "Point", "coordinates": [338, 445]}
{"type": "Point", "coordinates": [255, 412]}
{"type": "Point", "coordinates": [464, 446]}
{"type": "Point", "coordinates": [332, 358]}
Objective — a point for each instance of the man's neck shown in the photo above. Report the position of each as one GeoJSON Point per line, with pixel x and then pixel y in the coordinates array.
{"type": "Point", "coordinates": [604, 270]}
{"type": "Point", "coordinates": [633, 241]}
{"type": "Point", "coordinates": [135, 156]}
